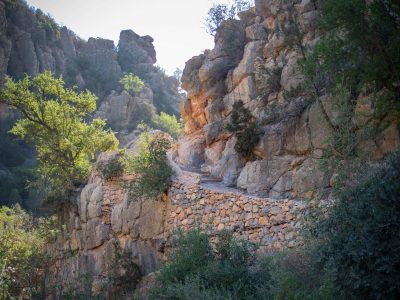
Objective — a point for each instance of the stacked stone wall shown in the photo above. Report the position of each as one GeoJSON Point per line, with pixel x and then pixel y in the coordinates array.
{"type": "Point", "coordinates": [269, 223]}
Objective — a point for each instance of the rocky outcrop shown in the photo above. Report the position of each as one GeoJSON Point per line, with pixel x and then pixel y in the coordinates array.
{"type": "Point", "coordinates": [265, 75]}
{"type": "Point", "coordinates": [32, 42]}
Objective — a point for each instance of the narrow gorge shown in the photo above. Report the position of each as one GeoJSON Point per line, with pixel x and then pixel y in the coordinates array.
{"type": "Point", "coordinates": [116, 239]}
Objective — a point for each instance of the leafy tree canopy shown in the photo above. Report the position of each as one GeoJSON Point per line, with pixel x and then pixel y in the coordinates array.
{"type": "Point", "coordinates": [132, 83]}
{"type": "Point", "coordinates": [54, 120]}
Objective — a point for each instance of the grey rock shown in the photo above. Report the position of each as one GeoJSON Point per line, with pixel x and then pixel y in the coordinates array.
{"type": "Point", "coordinates": [151, 219]}
{"type": "Point", "coordinates": [267, 8]}
{"type": "Point", "coordinates": [212, 131]}
{"type": "Point", "coordinates": [96, 233]}
{"type": "Point", "coordinates": [319, 126]}
{"type": "Point", "coordinates": [309, 178]}
{"type": "Point", "coordinates": [84, 200]}
{"type": "Point", "coordinates": [261, 175]}
{"type": "Point", "coordinates": [95, 201]}
{"type": "Point", "coordinates": [256, 32]}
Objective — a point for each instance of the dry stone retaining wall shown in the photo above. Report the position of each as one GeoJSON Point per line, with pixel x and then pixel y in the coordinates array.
{"type": "Point", "coordinates": [272, 224]}
{"type": "Point", "coordinates": [107, 231]}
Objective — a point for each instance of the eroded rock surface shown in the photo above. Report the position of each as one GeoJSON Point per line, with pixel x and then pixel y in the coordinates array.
{"type": "Point", "coordinates": [265, 74]}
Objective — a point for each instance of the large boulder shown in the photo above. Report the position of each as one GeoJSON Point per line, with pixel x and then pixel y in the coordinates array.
{"type": "Point", "coordinates": [261, 175]}
{"type": "Point", "coordinates": [267, 8]}
{"type": "Point", "coordinates": [246, 65]}
{"type": "Point", "coordinates": [134, 49]}
{"type": "Point", "coordinates": [213, 131]}
{"type": "Point", "coordinates": [309, 178]}
{"type": "Point", "coordinates": [245, 91]}
{"type": "Point", "coordinates": [96, 233]}
{"type": "Point", "coordinates": [231, 164]}
{"type": "Point", "coordinates": [190, 76]}
{"type": "Point", "coordinates": [191, 151]}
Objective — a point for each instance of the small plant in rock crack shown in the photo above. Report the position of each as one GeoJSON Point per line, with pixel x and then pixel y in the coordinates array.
{"type": "Point", "coordinates": [246, 130]}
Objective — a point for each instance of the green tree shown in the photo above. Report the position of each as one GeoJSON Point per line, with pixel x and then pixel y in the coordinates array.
{"type": "Point", "coordinates": [149, 165]}
{"type": "Point", "coordinates": [245, 128]}
{"type": "Point", "coordinates": [359, 238]}
{"type": "Point", "coordinates": [219, 13]}
{"type": "Point", "coordinates": [54, 121]}
{"type": "Point", "coordinates": [132, 83]}
{"type": "Point", "coordinates": [21, 252]}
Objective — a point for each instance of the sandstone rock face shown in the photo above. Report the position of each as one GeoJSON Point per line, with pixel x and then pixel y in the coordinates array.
{"type": "Point", "coordinates": [191, 151]}
{"type": "Point", "coordinates": [265, 74]}
{"type": "Point", "coordinates": [261, 76]}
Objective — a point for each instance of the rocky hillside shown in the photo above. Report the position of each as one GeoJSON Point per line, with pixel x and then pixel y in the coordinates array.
{"type": "Point", "coordinates": [256, 60]}
{"type": "Point", "coordinates": [32, 42]}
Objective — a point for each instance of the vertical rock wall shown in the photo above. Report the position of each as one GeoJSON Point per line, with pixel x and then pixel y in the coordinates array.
{"type": "Point", "coordinates": [264, 73]}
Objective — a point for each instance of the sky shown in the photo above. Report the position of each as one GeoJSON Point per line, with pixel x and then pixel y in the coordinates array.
{"type": "Point", "coordinates": [176, 25]}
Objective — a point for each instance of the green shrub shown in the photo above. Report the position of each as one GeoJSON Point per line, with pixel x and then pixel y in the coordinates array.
{"type": "Point", "coordinates": [198, 269]}
{"type": "Point", "coordinates": [22, 260]}
{"type": "Point", "coordinates": [149, 165]}
{"type": "Point", "coordinates": [113, 167]}
{"type": "Point", "coordinates": [296, 276]}
{"type": "Point", "coordinates": [360, 237]}
{"type": "Point", "coordinates": [246, 130]}
{"type": "Point", "coordinates": [132, 83]}
{"type": "Point", "coordinates": [361, 47]}
{"type": "Point", "coordinates": [170, 124]}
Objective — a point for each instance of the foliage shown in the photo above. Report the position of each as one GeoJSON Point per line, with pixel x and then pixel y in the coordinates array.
{"type": "Point", "coordinates": [360, 236]}
{"type": "Point", "coordinates": [143, 112]}
{"type": "Point", "coordinates": [274, 79]}
{"type": "Point", "coordinates": [131, 83]}
{"type": "Point", "coordinates": [344, 152]}
{"type": "Point", "coordinates": [113, 167]}
{"type": "Point", "coordinates": [296, 276]}
{"type": "Point", "coordinates": [219, 13]}
{"type": "Point", "coordinates": [245, 129]}
{"type": "Point", "coordinates": [53, 120]}
{"type": "Point", "coordinates": [361, 47]}
{"type": "Point", "coordinates": [199, 270]}
{"type": "Point", "coordinates": [149, 165]}
{"type": "Point", "coordinates": [21, 252]}
{"type": "Point", "coordinates": [170, 124]}
{"type": "Point", "coordinates": [178, 74]}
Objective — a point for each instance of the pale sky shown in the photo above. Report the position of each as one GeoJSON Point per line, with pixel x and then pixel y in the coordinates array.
{"type": "Point", "coordinates": [175, 25]}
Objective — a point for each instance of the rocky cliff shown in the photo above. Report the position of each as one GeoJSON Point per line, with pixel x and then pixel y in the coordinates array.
{"type": "Point", "coordinates": [32, 42]}
{"type": "Point", "coordinates": [256, 60]}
